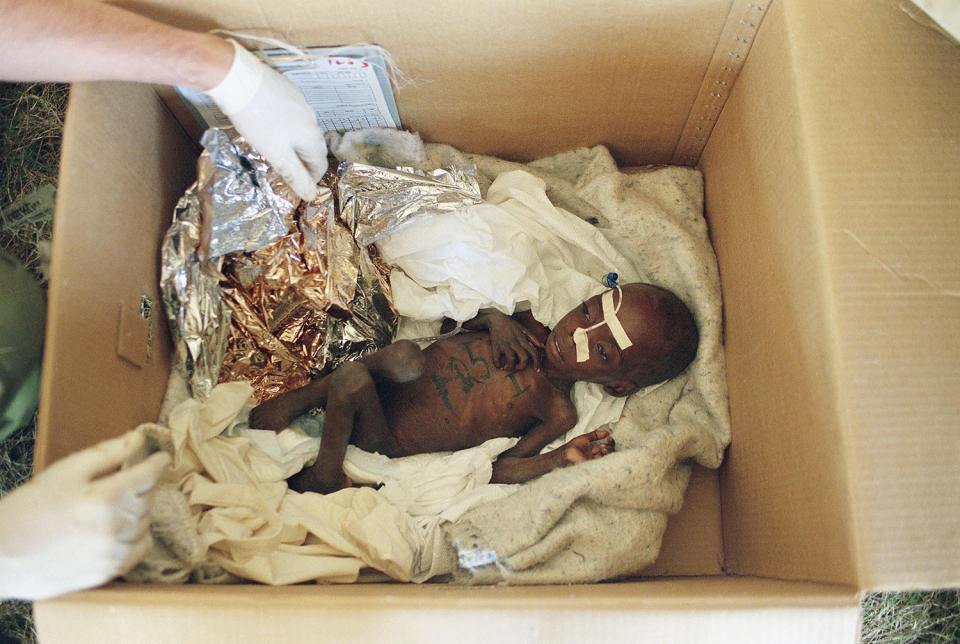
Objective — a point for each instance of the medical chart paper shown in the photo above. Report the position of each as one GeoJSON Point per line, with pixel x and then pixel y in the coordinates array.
{"type": "Point", "coordinates": [348, 88]}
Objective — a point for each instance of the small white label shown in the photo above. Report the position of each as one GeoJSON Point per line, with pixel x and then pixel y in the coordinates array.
{"type": "Point", "coordinates": [476, 557]}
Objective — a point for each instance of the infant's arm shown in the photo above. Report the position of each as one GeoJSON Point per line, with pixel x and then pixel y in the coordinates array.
{"type": "Point", "coordinates": [524, 461]}
{"type": "Point", "coordinates": [586, 447]}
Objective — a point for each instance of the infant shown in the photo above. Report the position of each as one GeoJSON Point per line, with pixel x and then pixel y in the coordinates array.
{"type": "Point", "coordinates": [509, 376]}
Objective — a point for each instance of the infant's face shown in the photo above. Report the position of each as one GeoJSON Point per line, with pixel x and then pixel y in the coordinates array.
{"type": "Point", "coordinates": [605, 357]}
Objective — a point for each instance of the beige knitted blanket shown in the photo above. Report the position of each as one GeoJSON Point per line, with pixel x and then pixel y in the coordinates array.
{"type": "Point", "coordinates": [605, 518]}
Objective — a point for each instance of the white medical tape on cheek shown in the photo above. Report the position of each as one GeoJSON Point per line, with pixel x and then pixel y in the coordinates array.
{"type": "Point", "coordinates": [580, 342]}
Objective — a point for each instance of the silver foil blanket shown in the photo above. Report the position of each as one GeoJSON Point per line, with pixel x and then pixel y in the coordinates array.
{"type": "Point", "coordinates": [198, 321]}
{"type": "Point", "coordinates": [246, 205]}
{"type": "Point", "coordinates": [260, 287]}
{"type": "Point", "coordinates": [375, 202]}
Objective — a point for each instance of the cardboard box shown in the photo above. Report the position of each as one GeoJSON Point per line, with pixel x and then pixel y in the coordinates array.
{"type": "Point", "coordinates": [829, 137]}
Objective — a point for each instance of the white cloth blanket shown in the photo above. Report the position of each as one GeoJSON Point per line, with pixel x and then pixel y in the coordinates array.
{"type": "Point", "coordinates": [225, 508]}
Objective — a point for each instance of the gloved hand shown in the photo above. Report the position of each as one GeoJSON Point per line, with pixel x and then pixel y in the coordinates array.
{"type": "Point", "coordinates": [274, 117]}
{"type": "Point", "coordinates": [79, 523]}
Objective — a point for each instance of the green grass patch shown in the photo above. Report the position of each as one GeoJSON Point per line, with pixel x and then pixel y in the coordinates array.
{"type": "Point", "coordinates": [31, 128]}
{"type": "Point", "coordinates": [902, 618]}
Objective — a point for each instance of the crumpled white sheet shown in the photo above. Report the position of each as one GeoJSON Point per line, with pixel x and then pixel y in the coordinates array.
{"type": "Point", "coordinates": [516, 247]}
{"type": "Point", "coordinates": [225, 507]}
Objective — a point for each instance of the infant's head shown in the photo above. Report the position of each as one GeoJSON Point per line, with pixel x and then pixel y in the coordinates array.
{"type": "Point", "coordinates": [625, 339]}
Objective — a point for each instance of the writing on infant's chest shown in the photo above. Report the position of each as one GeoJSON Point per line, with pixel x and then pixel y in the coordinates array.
{"type": "Point", "coordinates": [461, 370]}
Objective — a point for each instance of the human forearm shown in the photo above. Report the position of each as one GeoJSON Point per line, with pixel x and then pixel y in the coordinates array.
{"type": "Point", "coordinates": [519, 469]}
{"type": "Point", "coordinates": [511, 469]}
{"type": "Point", "coordinates": [82, 40]}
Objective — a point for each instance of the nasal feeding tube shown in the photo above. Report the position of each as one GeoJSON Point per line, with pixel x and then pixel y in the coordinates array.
{"type": "Point", "coordinates": [610, 319]}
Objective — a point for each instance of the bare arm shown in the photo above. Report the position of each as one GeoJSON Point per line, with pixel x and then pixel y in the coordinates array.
{"type": "Point", "coordinates": [507, 469]}
{"type": "Point", "coordinates": [82, 40]}
{"type": "Point", "coordinates": [585, 447]}
{"type": "Point", "coordinates": [523, 461]}
{"type": "Point", "coordinates": [278, 412]}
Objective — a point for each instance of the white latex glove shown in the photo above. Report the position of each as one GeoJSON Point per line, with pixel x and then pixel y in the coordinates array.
{"type": "Point", "coordinates": [274, 117]}
{"type": "Point", "coordinates": [79, 523]}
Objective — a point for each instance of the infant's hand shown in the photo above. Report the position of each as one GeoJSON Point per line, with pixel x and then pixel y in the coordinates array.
{"type": "Point", "coordinates": [513, 346]}
{"type": "Point", "coordinates": [586, 447]}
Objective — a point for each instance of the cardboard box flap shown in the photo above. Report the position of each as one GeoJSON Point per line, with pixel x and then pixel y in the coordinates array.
{"type": "Point", "coordinates": [784, 486]}
{"type": "Point", "coordinates": [106, 333]}
{"type": "Point", "coordinates": [536, 82]}
{"type": "Point", "coordinates": [847, 289]}
{"type": "Point", "coordinates": [669, 610]}
{"type": "Point", "coordinates": [884, 138]}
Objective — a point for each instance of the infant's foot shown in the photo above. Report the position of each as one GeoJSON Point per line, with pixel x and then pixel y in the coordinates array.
{"type": "Point", "coordinates": [401, 361]}
{"type": "Point", "coordinates": [273, 414]}
{"type": "Point", "coordinates": [309, 480]}
{"type": "Point", "coordinates": [587, 447]}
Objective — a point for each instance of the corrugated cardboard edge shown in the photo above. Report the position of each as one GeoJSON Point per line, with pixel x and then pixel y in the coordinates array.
{"type": "Point", "coordinates": [712, 609]}
{"type": "Point", "coordinates": [731, 52]}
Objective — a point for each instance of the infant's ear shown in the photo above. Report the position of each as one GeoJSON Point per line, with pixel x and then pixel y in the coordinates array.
{"type": "Point", "coordinates": [620, 388]}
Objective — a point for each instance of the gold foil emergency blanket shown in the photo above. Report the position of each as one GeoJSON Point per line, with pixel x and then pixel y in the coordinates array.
{"type": "Point", "coordinates": [375, 202]}
{"type": "Point", "coordinates": [265, 317]}
{"type": "Point", "coordinates": [281, 297]}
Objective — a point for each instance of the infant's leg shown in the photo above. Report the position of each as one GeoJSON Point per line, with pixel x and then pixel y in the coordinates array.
{"type": "Point", "coordinates": [278, 412]}
{"type": "Point", "coordinates": [353, 411]}
{"type": "Point", "coordinates": [401, 361]}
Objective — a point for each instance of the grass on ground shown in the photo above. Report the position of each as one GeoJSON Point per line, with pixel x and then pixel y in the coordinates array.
{"type": "Point", "coordinates": [902, 618]}
{"type": "Point", "coordinates": [31, 127]}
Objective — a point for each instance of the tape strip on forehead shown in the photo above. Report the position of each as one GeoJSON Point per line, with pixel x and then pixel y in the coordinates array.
{"type": "Point", "coordinates": [610, 319]}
